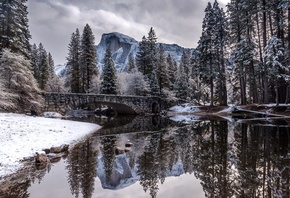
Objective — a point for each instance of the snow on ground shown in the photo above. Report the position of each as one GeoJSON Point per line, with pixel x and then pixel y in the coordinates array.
{"type": "Point", "coordinates": [21, 136]}
{"type": "Point", "coordinates": [186, 119]}
{"type": "Point", "coordinates": [184, 108]}
{"type": "Point", "coordinates": [228, 110]}
{"type": "Point", "coordinates": [182, 113]}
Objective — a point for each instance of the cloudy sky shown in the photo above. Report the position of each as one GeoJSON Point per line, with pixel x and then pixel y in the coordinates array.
{"type": "Point", "coordinates": [175, 21]}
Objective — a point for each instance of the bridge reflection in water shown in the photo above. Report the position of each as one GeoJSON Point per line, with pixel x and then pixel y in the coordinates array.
{"type": "Point", "coordinates": [121, 104]}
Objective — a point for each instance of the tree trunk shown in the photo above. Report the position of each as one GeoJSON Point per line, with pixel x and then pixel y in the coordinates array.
{"type": "Point", "coordinates": [243, 86]}
{"type": "Point", "coordinates": [277, 92]}
{"type": "Point", "coordinates": [265, 73]}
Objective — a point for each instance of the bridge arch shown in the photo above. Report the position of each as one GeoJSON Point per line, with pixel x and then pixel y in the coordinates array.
{"type": "Point", "coordinates": [121, 104]}
{"type": "Point", "coordinates": [119, 108]}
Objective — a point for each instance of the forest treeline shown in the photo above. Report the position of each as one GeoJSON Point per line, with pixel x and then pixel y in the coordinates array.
{"type": "Point", "coordinates": [242, 57]}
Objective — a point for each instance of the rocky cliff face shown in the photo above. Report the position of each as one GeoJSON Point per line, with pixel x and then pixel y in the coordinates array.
{"type": "Point", "coordinates": [122, 47]}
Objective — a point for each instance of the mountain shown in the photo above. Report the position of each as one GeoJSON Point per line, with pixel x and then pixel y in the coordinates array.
{"type": "Point", "coordinates": [123, 175]}
{"type": "Point", "coordinates": [122, 46]}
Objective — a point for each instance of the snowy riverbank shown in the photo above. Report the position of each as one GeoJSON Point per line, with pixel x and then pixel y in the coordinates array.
{"type": "Point", "coordinates": [21, 136]}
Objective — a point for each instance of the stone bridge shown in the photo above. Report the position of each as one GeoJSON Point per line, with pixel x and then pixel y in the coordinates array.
{"type": "Point", "coordinates": [62, 102]}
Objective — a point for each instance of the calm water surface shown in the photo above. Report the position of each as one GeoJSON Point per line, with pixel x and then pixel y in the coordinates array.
{"type": "Point", "coordinates": [207, 158]}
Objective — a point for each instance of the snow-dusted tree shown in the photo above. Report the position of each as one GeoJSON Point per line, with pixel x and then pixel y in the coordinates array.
{"type": "Point", "coordinates": [205, 47]}
{"type": "Point", "coordinates": [34, 61]}
{"type": "Point", "coordinates": [172, 70]}
{"type": "Point", "coordinates": [51, 65]}
{"type": "Point", "coordinates": [195, 74]}
{"type": "Point", "coordinates": [152, 47]}
{"type": "Point", "coordinates": [274, 56]}
{"type": "Point", "coordinates": [221, 40]}
{"type": "Point", "coordinates": [73, 78]}
{"type": "Point", "coordinates": [55, 84]}
{"type": "Point", "coordinates": [154, 85]}
{"type": "Point", "coordinates": [14, 31]}
{"type": "Point", "coordinates": [132, 83]}
{"type": "Point", "coordinates": [211, 52]}
{"type": "Point", "coordinates": [185, 63]}
{"type": "Point", "coordinates": [43, 65]}
{"type": "Point", "coordinates": [181, 85]}
{"type": "Point", "coordinates": [242, 34]}
{"type": "Point", "coordinates": [88, 59]}
{"type": "Point", "coordinates": [131, 64]}
{"type": "Point", "coordinates": [147, 59]}
{"type": "Point", "coordinates": [162, 71]}
{"type": "Point", "coordinates": [15, 71]}
{"type": "Point", "coordinates": [142, 55]}
{"type": "Point", "coordinates": [109, 79]}
{"type": "Point", "coordinates": [7, 100]}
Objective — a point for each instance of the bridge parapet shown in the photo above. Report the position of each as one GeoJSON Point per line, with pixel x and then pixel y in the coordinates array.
{"type": "Point", "coordinates": [62, 102]}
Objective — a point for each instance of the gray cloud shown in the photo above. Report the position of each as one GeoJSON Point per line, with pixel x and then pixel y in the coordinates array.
{"type": "Point", "coordinates": [52, 22]}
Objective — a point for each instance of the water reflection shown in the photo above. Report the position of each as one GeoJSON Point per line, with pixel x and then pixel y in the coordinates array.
{"type": "Point", "coordinates": [81, 168]}
{"type": "Point", "coordinates": [230, 159]}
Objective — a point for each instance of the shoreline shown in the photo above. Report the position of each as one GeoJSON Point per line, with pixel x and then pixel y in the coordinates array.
{"type": "Point", "coordinates": [21, 136]}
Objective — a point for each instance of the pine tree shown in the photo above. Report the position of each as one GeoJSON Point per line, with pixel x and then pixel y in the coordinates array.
{"type": "Point", "coordinates": [51, 65]}
{"type": "Point", "coordinates": [14, 32]}
{"type": "Point", "coordinates": [147, 59]}
{"type": "Point", "coordinates": [34, 61]}
{"type": "Point", "coordinates": [211, 53]}
{"type": "Point", "coordinates": [274, 55]}
{"type": "Point", "coordinates": [43, 65]}
{"type": "Point", "coordinates": [181, 85]}
{"type": "Point", "coordinates": [54, 83]}
{"type": "Point", "coordinates": [154, 85]}
{"type": "Point", "coordinates": [185, 63]}
{"type": "Point", "coordinates": [195, 75]}
{"type": "Point", "coordinates": [205, 47]}
{"type": "Point", "coordinates": [162, 71]}
{"type": "Point", "coordinates": [131, 65]}
{"type": "Point", "coordinates": [73, 79]}
{"type": "Point", "coordinates": [109, 79]}
{"type": "Point", "coordinates": [172, 70]}
{"type": "Point", "coordinates": [152, 53]}
{"type": "Point", "coordinates": [142, 55]}
{"type": "Point", "coordinates": [88, 59]}
{"type": "Point", "coordinates": [18, 80]}
{"type": "Point", "coordinates": [221, 37]}
{"type": "Point", "coordinates": [242, 35]}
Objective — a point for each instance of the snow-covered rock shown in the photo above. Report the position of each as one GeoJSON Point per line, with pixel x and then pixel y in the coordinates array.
{"type": "Point", "coordinates": [52, 115]}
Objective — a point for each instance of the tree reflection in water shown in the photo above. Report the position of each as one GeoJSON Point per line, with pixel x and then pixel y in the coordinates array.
{"type": "Point", "coordinates": [81, 167]}
{"type": "Point", "coordinates": [109, 144]}
{"type": "Point", "coordinates": [231, 160]}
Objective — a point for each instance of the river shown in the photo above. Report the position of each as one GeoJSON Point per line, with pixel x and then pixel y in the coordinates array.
{"type": "Point", "coordinates": [158, 157]}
